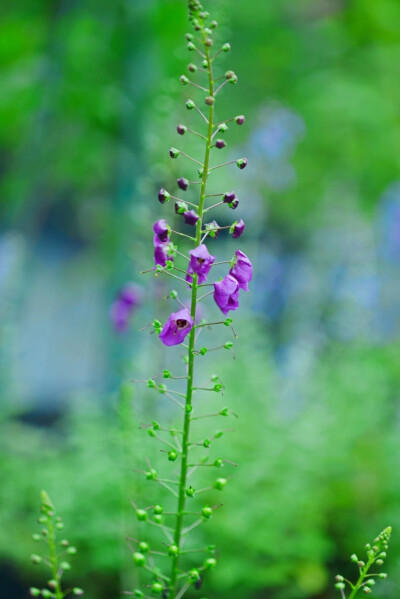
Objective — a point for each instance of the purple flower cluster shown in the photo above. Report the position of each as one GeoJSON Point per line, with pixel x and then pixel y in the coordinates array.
{"type": "Point", "coordinates": [161, 241]}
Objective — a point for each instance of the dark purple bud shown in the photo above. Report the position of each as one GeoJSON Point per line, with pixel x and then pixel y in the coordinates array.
{"type": "Point", "coordinates": [178, 325]}
{"type": "Point", "coordinates": [213, 229]}
{"type": "Point", "coordinates": [239, 120]}
{"type": "Point", "coordinates": [162, 230]}
{"type": "Point", "coordinates": [234, 204]}
{"type": "Point", "coordinates": [200, 263]}
{"type": "Point", "coordinates": [181, 129]}
{"type": "Point", "coordinates": [242, 163]}
{"type": "Point", "coordinates": [174, 153]}
{"type": "Point", "coordinates": [192, 68]}
{"type": "Point", "coordinates": [229, 74]}
{"type": "Point", "coordinates": [229, 196]}
{"type": "Point", "coordinates": [191, 217]}
{"type": "Point", "coordinates": [183, 183]}
{"type": "Point", "coordinates": [123, 306]}
{"type": "Point", "coordinates": [180, 207]}
{"type": "Point", "coordinates": [226, 294]}
{"type": "Point", "coordinates": [242, 270]}
{"type": "Point", "coordinates": [237, 228]}
{"type": "Point", "coordinates": [163, 196]}
{"type": "Point", "coordinates": [220, 143]}
{"type": "Point", "coordinates": [209, 100]}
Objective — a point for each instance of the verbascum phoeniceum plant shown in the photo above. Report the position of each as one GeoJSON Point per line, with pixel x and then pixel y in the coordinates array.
{"type": "Point", "coordinates": [171, 566]}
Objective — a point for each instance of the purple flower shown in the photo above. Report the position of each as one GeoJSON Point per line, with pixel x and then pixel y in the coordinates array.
{"type": "Point", "coordinates": [191, 217]}
{"type": "Point", "coordinates": [213, 229]}
{"type": "Point", "coordinates": [240, 119]}
{"type": "Point", "coordinates": [200, 263]}
{"type": "Point", "coordinates": [226, 294]}
{"type": "Point", "coordinates": [160, 255]}
{"type": "Point", "coordinates": [220, 143]}
{"type": "Point", "coordinates": [181, 129]}
{"type": "Point", "coordinates": [128, 298]}
{"type": "Point", "coordinates": [183, 183]}
{"type": "Point", "coordinates": [163, 196]}
{"type": "Point", "coordinates": [242, 270]}
{"type": "Point", "coordinates": [237, 228]}
{"type": "Point", "coordinates": [228, 197]}
{"type": "Point", "coordinates": [162, 230]}
{"type": "Point", "coordinates": [178, 325]}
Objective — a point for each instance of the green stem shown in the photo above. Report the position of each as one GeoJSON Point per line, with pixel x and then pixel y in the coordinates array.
{"type": "Point", "coordinates": [189, 389]}
{"type": "Point", "coordinates": [53, 559]}
{"type": "Point", "coordinates": [363, 573]}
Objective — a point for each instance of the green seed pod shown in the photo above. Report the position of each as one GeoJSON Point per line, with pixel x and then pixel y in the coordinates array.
{"type": "Point", "coordinates": [59, 525]}
{"type": "Point", "coordinates": [226, 47]}
{"type": "Point", "coordinates": [172, 456]}
{"type": "Point", "coordinates": [190, 491]}
{"type": "Point", "coordinates": [207, 512]}
{"type": "Point", "coordinates": [210, 562]}
{"type": "Point", "coordinates": [144, 547]}
{"type": "Point", "coordinates": [64, 543]}
{"type": "Point", "coordinates": [141, 515]}
{"type": "Point", "coordinates": [354, 558]}
{"type": "Point", "coordinates": [379, 562]}
{"type": "Point", "coordinates": [173, 550]}
{"type": "Point", "coordinates": [158, 518]}
{"type": "Point", "coordinates": [158, 509]}
{"type": "Point", "coordinates": [220, 483]}
{"type": "Point", "coordinates": [166, 373]}
{"type": "Point", "coordinates": [139, 559]}
{"type": "Point", "coordinates": [151, 433]}
{"type": "Point", "coordinates": [157, 588]}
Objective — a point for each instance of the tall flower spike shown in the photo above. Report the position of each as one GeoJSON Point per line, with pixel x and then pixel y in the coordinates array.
{"type": "Point", "coordinates": [193, 268]}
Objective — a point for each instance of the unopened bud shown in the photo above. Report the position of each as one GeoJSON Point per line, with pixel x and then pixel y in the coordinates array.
{"type": "Point", "coordinates": [210, 562]}
{"type": "Point", "coordinates": [173, 550]}
{"type": "Point", "coordinates": [209, 100]}
{"type": "Point", "coordinates": [190, 104]}
{"type": "Point", "coordinates": [207, 512]}
{"type": "Point", "coordinates": [241, 163]}
{"type": "Point", "coordinates": [71, 550]}
{"type": "Point", "coordinates": [77, 591]}
{"type": "Point", "coordinates": [181, 129]}
{"type": "Point", "coordinates": [183, 80]}
{"type": "Point", "coordinates": [220, 143]}
{"type": "Point", "coordinates": [34, 592]}
{"type": "Point", "coordinates": [139, 559]}
{"type": "Point", "coordinates": [214, 24]}
{"type": "Point", "coordinates": [240, 119]}
{"type": "Point", "coordinates": [190, 491]}
{"type": "Point", "coordinates": [174, 153]}
{"type": "Point", "coordinates": [220, 483]}
{"type": "Point", "coordinates": [65, 566]}
{"type": "Point", "coordinates": [172, 456]}
{"type": "Point", "coordinates": [191, 47]}
{"type": "Point", "coordinates": [36, 559]}
{"type": "Point", "coordinates": [141, 515]}
{"type": "Point", "coordinates": [226, 47]}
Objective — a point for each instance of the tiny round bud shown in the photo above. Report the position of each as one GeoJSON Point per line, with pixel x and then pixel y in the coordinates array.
{"type": "Point", "coordinates": [206, 443]}
{"type": "Point", "coordinates": [219, 462]}
{"type": "Point", "coordinates": [36, 537]}
{"type": "Point", "coordinates": [163, 196]}
{"type": "Point", "coordinates": [181, 129]}
{"type": "Point", "coordinates": [156, 425]}
{"type": "Point", "coordinates": [183, 80]}
{"type": "Point", "coordinates": [223, 128]}
{"type": "Point", "coordinates": [214, 24]}
{"type": "Point", "coordinates": [204, 64]}
{"type": "Point", "coordinates": [360, 564]}
{"type": "Point", "coordinates": [382, 575]}
{"type": "Point", "coordinates": [190, 491]}
{"type": "Point", "coordinates": [157, 588]}
{"type": "Point", "coordinates": [208, 42]}
{"type": "Point", "coordinates": [138, 593]}
{"type": "Point", "coordinates": [379, 562]}
{"type": "Point", "coordinates": [220, 483]}
{"type": "Point", "coordinates": [166, 373]}
{"type": "Point", "coordinates": [209, 100]}
{"type": "Point", "coordinates": [354, 557]}
{"type": "Point", "coordinates": [382, 554]}
{"type": "Point", "coordinates": [151, 474]}
{"type": "Point", "coordinates": [370, 582]}
{"type": "Point", "coordinates": [226, 47]}
{"type": "Point", "coordinates": [241, 163]}
{"type": "Point", "coordinates": [190, 104]}
{"type": "Point", "coordinates": [204, 15]}
{"type": "Point", "coordinates": [157, 518]}
{"type": "Point", "coordinates": [52, 583]}
{"type": "Point", "coordinates": [65, 566]}
{"type": "Point", "coordinates": [188, 37]}
{"type": "Point", "coordinates": [340, 586]}
{"type": "Point", "coordinates": [172, 456]}
{"type": "Point", "coordinates": [367, 590]}
{"type": "Point", "coordinates": [183, 183]}
{"type": "Point", "coordinates": [174, 153]}
{"type": "Point", "coordinates": [42, 520]}
{"type": "Point", "coordinates": [158, 509]}
{"type": "Point", "coordinates": [173, 550]}
{"type": "Point", "coordinates": [339, 578]}
{"type": "Point", "coordinates": [139, 559]}
{"type": "Point", "coordinates": [59, 525]}
{"type": "Point", "coordinates": [44, 532]}
{"type": "Point", "coordinates": [200, 172]}
{"type": "Point", "coordinates": [194, 574]}
{"type": "Point", "coordinates": [144, 547]}
{"type": "Point", "coordinates": [36, 559]}
{"type": "Point", "coordinates": [203, 351]}
{"type": "Point", "coordinates": [71, 550]}
{"type": "Point", "coordinates": [64, 543]}
{"type": "Point", "coordinates": [163, 388]}
{"type": "Point", "coordinates": [220, 143]}
{"type": "Point", "coordinates": [228, 345]}
{"type": "Point", "coordinates": [34, 592]}
{"type": "Point", "coordinates": [77, 591]}
{"type": "Point", "coordinates": [141, 515]}
{"type": "Point", "coordinates": [210, 562]}
{"type": "Point", "coordinates": [191, 47]}
{"type": "Point", "coordinates": [229, 74]}
{"type": "Point", "coordinates": [240, 119]}
{"type": "Point", "coordinates": [192, 68]}
{"type": "Point", "coordinates": [233, 80]}
{"type": "Point", "coordinates": [224, 412]}
{"type": "Point", "coordinates": [188, 409]}
{"type": "Point", "coordinates": [207, 512]}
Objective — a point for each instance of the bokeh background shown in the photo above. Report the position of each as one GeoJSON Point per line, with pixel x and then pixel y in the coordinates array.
{"type": "Point", "coordinates": [88, 108]}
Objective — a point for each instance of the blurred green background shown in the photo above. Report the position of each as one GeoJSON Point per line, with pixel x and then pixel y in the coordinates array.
{"type": "Point", "coordinates": [88, 108]}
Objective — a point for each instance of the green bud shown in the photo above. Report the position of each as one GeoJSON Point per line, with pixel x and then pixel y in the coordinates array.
{"type": "Point", "coordinates": [218, 462]}
{"type": "Point", "coordinates": [141, 515]}
{"type": "Point", "coordinates": [214, 24]}
{"type": "Point", "coordinates": [209, 42]}
{"type": "Point", "coordinates": [139, 559]}
{"type": "Point", "coordinates": [183, 80]}
{"type": "Point", "coordinates": [228, 345]}
{"type": "Point", "coordinates": [42, 519]}
{"type": "Point", "coordinates": [47, 593]}
{"type": "Point", "coordinates": [379, 562]}
{"type": "Point", "coordinates": [210, 562]}
{"type": "Point", "coordinates": [71, 550]}
{"type": "Point", "coordinates": [157, 588]}
{"type": "Point", "coordinates": [211, 548]}
{"type": "Point", "coordinates": [382, 554]}
{"type": "Point", "coordinates": [204, 64]}
{"type": "Point", "coordinates": [353, 557]}
{"type": "Point", "coordinates": [207, 512]}
{"type": "Point", "coordinates": [370, 582]}
{"type": "Point", "coordinates": [64, 543]}
{"type": "Point", "coordinates": [34, 592]}
{"type": "Point", "coordinates": [173, 550]}
{"type": "Point", "coordinates": [191, 47]}
{"type": "Point", "coordinates": [206, 443]}
{"type": "Point", "coordinates": [77, 591]}
{"type": "Point", "coordinates": [52, 584]}
{"type": "Point", "coordinates": [157, 518]}
{"type": "Point", "coordinates": [36, 537]}
{"type": "Point", "coordinates": [360, 564]}
{"type": "Point", "coordinates": [190, 491]}
{"type": "Point", "coordinates": [382, 575]}
{"type": "Point", "coordinates": [340, 586]}
{"type": "Point", "coordinates": [203, 351]}
{"type": "Point", "coordinates": [192, 68]}
{"type": "Point", "coordinates": [226, 47]}
{"type": "Point", "coordinates": [190, 104]}
{"type": "Point", "coordinates": [156, 426]}
{"type": "Point", "coordinates": [65, 566]}
{"type": "Point", "coordinates": [144, 547]}
{"type": "Point", "coordinates": [367, 590]}
{"type": "Point", "coordinates": [233, 80]}
{"type": "Point", "coordinates": [150, 383]}
{"type": "Point", "coordinates": [188, 409]}
{"type": "Point", "coordinates": [151, 433]}
{"type": "Point", "coordinates": [189, 37]}
{"type": "Point", "coordinates": [220, 483]}
{"type": "Point", "coordinates": [59, 525]}
{"type": "Point", "coordinates": [224, 412]}
{"type": "Point", "coordinates": [173, 152]}
{"type": "Point", "coordinates": [151, 474]}
{"type": "Point", "coordinates": [158, 509]}
{"type": "Point", "coordinates": [200, 172]}
{"type": "Point", "coordinates": [218, 387]}
{"type": "Point", "coordinates": [162, 388]}
{"type": "Point", "coordinates": [218, 434]}
{"type": "Point", "coordinates": [209, 100]}
{"type": "Point", "coordinates": [172, 455]}
{"type": "Point", "coordinates": [339, 578]}
{"type": "Point", "coordinates": [138, 593]}
{"type": "Point", "coordinates": [44, 532]}
{"type": "Point", "coordinates": [36, 559]}
{"type": "Point", "coordinates": [194, 574]}
{"type": "Point", "coordinates": [223, 128]}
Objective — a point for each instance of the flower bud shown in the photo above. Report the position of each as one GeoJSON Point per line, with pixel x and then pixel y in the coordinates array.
{"type": "Point", "coordinates": [64, 543]}
{"type": "Point", "coordinates": [34, 592]}
{"type": "Point", "coordinates": [340, 586]}
{"type": "Point", "coordinates": [237, 228]}
{"type": "Point", "coordinates": [382, 575]}
{"type": "Point", "coordinates": [354, 558]}
{"type": "Point", "coordinates": [200, 172]}
{"type": "Point", "coordinates": [157, 518]}
{"type": "Point", "coordinates": [339, 578]}
{"type": "Point", "coordinates": [223, 128]}
{"type": "Point", "coordinates": [233, 80]}
{"type": "Point", "coordinates": [141, 515]}
{"type": "Point", "coordinates": [226, 47]}
{"type": "Point", "coordinates": [181, 207]}
{"type": "Point", "coordinates": [239, 120]}
{"type": "Point", "coordinates": [163, 388]}
{"type": "Point", "coordinates": [224, 412]}
{"type": "Point", "coordinates": [156, 425]}
{"type": "Point", "coordinates": [204, 64]}
{"type": "Point", "coordinates": [360, 564]}
{"type": "Point", "coordinates": [183, 183]}
{"type": "Point", "coordinates": [65, 566]}
{"type": "Point", "coordinates": [36, 537]}
{"type": "Point", "coordinates": [220, 484]}
{"type": "Point", "coordinates": [172, 456]}
{"type": "Point", "coordinates": [191, 217]}
{"type": "Point", "coordinates": [190, 491]}
{"type": "Point", "coordinates": [144, 547]}
{"type": "Point", "coordinates": [209, 42]}
{"type": "Point", "coordinates": [241, 163]}
{"type": "Point", "coordinates": [213, 24]}
{"type": "Point", "coordinates": [209, 100]}
{"type": "Point", "coordinates": [158, 509]}
{"type": "Point", "coordinates": [228, 345]}
{"type": "Point", "coordinates": [367, 590]}
{"type": "Point", "coordinates": [370, 582]}
{"type": "Point", "coordinates": [138, 593]}
{"type": "Point", "coordinates": [379, 562]}
{"type": "Point", "coordinates": [234, 204]}
{"type": "Point", "coordinates": [190, 104]}
{"type": "Point", "coordinates": [151, 384]}
{"type": "Point", "coordinates": [229, 74]}
{"type": "Point", "coordinates": [163, 196]}
{"type": "Point", "coordinates": [174, 153]}
{"type": "Point", "coordinates": [46, 593]}
{"type": "Point", "coordinates": [218, 434]}
{"type": "Point", "coordinates": [183, 80]}
{"type": "Point", "coordinates": [220, 143]}
{"type": "Point", "coordinates": [206, 443]}
{"type": "Point", "coordinates": [204, 15]}
{"type": "Point", "coordinates": [191, 47]}
{"type": "Point", "coordinates": [207, 512]}
{"type": "Point", "coordinates": [36, 559]}
{"type": "Point", "coordinates": [192, 68]}
{"type": "Point", "coordinates": [71, 550]}
{"type": "Point", "coordinates": [77, 591]}
{"type": "Point", "coordinates": [194, 574]}
{"type": "Point", "coordinates": [228, 197]}
{"type": "Point", "coordinates": [157, 588]}
{"type": "Point", "coordinates": [218, 387]}
{"type": "Point", "coordinates": [188, 409]}
{"type": "Point", "coordinates": [219, 461]}
{"type": "Point", "coordinates": [203, 351]}
{"type": "Point", "coordinates": [188, 37]}
{"type": "Point", "coordinates": [166, 373]}
{"type": "Point", "coordinates": [139, 559]}
{"type": "Point", "coordinates": [181, 129]}
{"type": "Point", "coordinates": [173, 550]}
{"type": "Point", "coordinates": [213, 229]}
{"type": "Point", "coordinates": [210, 562]}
